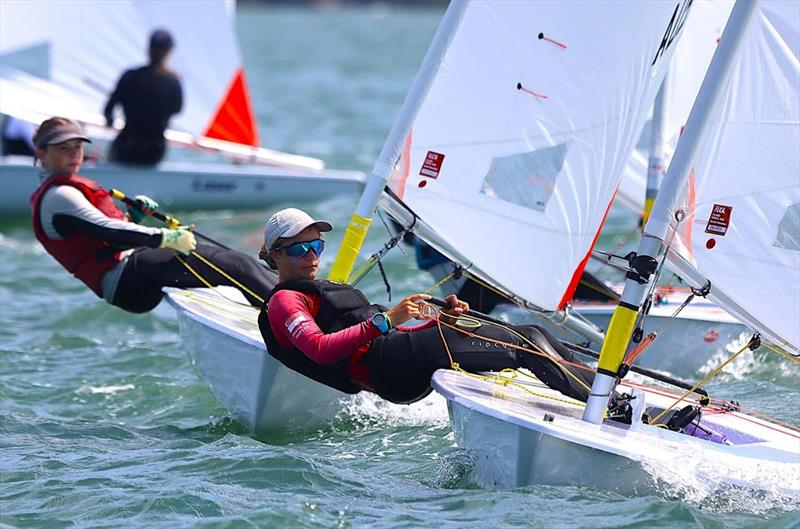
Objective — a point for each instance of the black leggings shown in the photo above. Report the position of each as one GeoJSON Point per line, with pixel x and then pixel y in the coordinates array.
{"type": "Point", "coordinates": [150, 269]}
{"type": "Point", "coordinates": [402, 363]}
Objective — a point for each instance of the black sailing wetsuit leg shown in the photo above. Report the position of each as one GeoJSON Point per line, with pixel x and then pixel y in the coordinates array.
{"type": "Point", "coordinates": [402, 363]}
{"type": "Point", "coordinates": [150, 269]}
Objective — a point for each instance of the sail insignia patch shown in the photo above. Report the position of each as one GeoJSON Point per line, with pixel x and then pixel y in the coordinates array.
{"type": "Point", "coordinates": [719, 220]}
{"type": "Point", "coordinates": [432, 164]}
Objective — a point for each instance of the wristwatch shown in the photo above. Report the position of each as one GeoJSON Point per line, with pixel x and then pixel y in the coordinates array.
{"type": "Point", "coordinates": [381, 322]}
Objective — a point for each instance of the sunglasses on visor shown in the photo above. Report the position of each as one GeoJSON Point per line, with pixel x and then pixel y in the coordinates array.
{"type": "Point", "coordinates": [300, 249]}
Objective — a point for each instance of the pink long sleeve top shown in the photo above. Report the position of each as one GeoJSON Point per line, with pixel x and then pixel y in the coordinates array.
{"type": "Point", "coordinates": [291, 317]}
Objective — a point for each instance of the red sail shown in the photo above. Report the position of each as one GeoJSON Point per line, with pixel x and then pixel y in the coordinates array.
{"type": "Point", "coordinates": [234, 119]}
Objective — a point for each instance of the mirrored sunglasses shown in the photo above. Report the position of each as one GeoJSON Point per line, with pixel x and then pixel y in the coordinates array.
{"type": "Point", "coordinates": [300, 249]}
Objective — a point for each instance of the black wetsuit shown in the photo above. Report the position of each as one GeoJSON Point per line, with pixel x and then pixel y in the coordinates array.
{"type": "Point", "coordinates": [149, 98]}
{"type": "Point", "coordinates": [148, 270]}
{"type": "Point", "coordinates": [402, 363]}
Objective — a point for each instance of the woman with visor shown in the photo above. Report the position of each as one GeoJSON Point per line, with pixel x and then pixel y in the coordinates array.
{"type": "Point", "coordinates": [121, 261]}
{"type": "Point", "coordinates": [331, 333]}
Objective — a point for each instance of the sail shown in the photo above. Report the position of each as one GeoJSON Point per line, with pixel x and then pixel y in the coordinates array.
{"type": "Point", "coordinates": [520, 141]}
{"type": "Point", "coordinates": [691, 58]}
{"type": "Point", "coordinates": [86, 45]}
{"type": "Point", "coordinates": [742, 202]}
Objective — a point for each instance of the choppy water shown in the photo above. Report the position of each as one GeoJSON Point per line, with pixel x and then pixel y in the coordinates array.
{"type": "Point", "coordinates": [103, 422]}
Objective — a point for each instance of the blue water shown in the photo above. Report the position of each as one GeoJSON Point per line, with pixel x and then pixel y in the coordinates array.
{"type": "Point", "coordinates": [103, 422]}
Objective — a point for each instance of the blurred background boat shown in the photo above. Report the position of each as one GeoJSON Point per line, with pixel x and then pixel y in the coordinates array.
{"type": "Point", "coordinates": [53, 68]}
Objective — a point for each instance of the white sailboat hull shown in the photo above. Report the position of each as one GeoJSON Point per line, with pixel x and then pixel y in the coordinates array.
{"type": "Point", "coordinates": [701, 336]}
{"type": "Point", "coordinates": [513, 444]}
{"type": "Point", "coordinates": [225, 346]}
{"type": "Point", "coordinates": [189, 185]}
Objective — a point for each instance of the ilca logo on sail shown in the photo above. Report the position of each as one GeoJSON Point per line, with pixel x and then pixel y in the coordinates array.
{"type": "Point", "coordinates": [673, 28]}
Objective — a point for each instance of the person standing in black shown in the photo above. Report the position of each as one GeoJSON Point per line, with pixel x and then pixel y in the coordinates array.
{"type": "Point", "coordinates": [150, 96]}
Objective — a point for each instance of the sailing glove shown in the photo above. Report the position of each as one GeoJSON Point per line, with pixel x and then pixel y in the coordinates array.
{"type": "Point", "coordinates": [137, 215]}
{"type": "Point", "coordinates": [181, 240]}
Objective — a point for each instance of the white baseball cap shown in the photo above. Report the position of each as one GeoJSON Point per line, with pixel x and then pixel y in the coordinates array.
{"type": "Point", "coordinates": [287, 223]}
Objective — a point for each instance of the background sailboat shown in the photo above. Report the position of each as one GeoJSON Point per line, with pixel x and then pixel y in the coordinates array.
{"type": "Point", "coordinates": [87, 45]}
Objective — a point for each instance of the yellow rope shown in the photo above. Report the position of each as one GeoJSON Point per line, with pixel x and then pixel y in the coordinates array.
{"type": "Point", "coordinates": [703, 381]}
{"type": "Point", "coordinates": [193, 271]}
{"type": "Point", "coordinates": [496, 379]}
{"type": "Point", "coordinates": [442, 282]}
{"type": "Point", "coordinates": [782, 353]}
{"type": "Point", "coordinates": [220, 272]}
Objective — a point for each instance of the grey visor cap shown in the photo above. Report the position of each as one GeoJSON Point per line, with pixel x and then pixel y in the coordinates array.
{"type": "Point", "coordinates": [61, 133]}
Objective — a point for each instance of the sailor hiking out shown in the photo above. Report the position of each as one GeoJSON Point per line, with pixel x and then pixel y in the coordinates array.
{"type": "Point", "coordinates": [330, 332]}
{"type": "Point", "coordinates": [121, 261]}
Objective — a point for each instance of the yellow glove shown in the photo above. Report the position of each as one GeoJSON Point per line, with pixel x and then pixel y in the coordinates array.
{"type": "Point", "coordinates": [181, 240]}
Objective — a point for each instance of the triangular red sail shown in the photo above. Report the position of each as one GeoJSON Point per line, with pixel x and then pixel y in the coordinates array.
{"type": "Point", "coordinates": [234, 120]}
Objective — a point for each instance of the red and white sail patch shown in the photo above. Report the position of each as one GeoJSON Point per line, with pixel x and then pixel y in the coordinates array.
{"type": "Point", "coordinates": [719, 220]}
{"type": "Point", "coordinates": [432, 164]}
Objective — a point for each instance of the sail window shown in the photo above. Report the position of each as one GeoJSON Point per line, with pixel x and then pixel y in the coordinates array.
{"type": "Point", "coordinates": [789, 229]}
{"type": "Point", "coordinates": [525, 179]}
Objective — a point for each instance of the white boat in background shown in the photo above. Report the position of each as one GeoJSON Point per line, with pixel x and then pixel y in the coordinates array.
{"type": "Point", "coordinates": [219, 330]}
{"type": "Point", "coordinates": [52, 68]}
{"type": "Point", "coordinates": [509, 152]}
{"type": "Point", "coordinates": [183, 185]}
{"type": "Point", "coordinates": [697, 340]}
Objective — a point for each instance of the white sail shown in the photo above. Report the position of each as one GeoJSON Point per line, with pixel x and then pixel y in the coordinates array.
{"type": "Point", "coordinates": [742, 228]}
{"type": "Point", "coordinates": [689, 63]}
{"type": "Point", "coordinates": [519, 144]}
{"type": "Point", "coordinates": [88, 44]}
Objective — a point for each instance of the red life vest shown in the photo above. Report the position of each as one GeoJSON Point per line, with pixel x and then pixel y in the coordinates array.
{"type": "Point", "coordinates": [87, 258]}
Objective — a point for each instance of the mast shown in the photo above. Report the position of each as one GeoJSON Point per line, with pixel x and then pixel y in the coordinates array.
{"type": "Point", "coordinates": [655, 165]}
{"type": "Point", "coordinates": [662, 221]}
{"type": "Point", "coordinates": [361, 219]}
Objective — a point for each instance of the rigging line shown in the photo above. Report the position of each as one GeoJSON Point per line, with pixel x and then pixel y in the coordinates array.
{"type": "Point", "coordinates": [588, 352]}
{"type": "Point", "coordinates": [721, 406]}
{"type": "Point", "coordinates": [781, 352]}
{"type": "Point", "coordinates": [516, 302]}
{"type": "Point", "coordinates": [634, 354]}
{"type": "Point", "coordinates": [228, 277]}
{"type": "Point", "coordinates": [445, 279]}
{"type": "Point", "coordinates": [536, 349]}
{"type": "Point", "coordinates": [497, 379]}
{"type": "Point", "coordinates": [641, 315]}
{"type": "Point", "coordinates": [221, 272]}
{"type": "Point", "coordinates": [708, 377]}
{"type": "Point", "coordinates": [375, 258]}
{"type": "Point", "coordinates": [203, 280]}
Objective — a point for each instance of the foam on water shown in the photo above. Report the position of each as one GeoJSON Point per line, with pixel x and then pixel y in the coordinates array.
{"type": "Point", "coordinates": [752, 487]}
{"type": "Point", "coordinates": [369, 408]}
